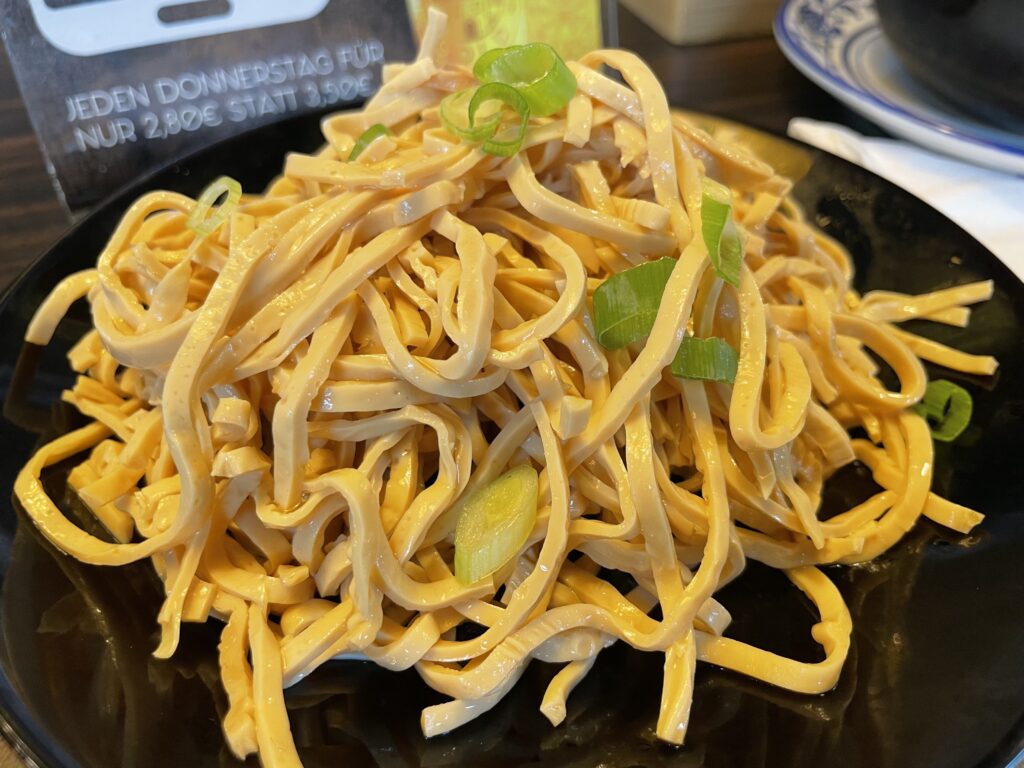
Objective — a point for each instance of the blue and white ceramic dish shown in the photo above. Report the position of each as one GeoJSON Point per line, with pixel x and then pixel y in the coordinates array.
{"type": "Point", "coordinates": [840, 46]}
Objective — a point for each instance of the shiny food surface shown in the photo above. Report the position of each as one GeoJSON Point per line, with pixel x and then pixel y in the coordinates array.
{"type": "Point", "coordinates": [928, 681]}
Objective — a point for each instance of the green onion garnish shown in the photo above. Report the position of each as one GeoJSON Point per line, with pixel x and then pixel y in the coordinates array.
{"type": "Point", "coordinates": [474, 115]}
{"type": "Point", "coordinates": [707, 359]}
{"type": "Point", "coordinates": [366, 138]}
{"type": "Point", "coordinates": [947, 407]}
{"type": "Point", "coordinates": [626, 304]}
{"type": "Point", "coordinates": [531, 79]}
{"type": "Point", "coordinates": [535, 70]}
{"type": "Point", "coordinates": [721, 235]}
{"type": "Point", "coordinates": [200, 221]}
{"type": "Point", "coordinates": [504, 147]}
{"type": "Point", "coordinates": [483, 63]}
{"type": "Point", "coordinates": [454, 112]}
{"type": "Point", "coordinates": [494, 523]}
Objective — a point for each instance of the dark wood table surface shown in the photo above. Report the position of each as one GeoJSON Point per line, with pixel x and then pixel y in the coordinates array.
{"type": "Point", "coordinates": [748, 81]}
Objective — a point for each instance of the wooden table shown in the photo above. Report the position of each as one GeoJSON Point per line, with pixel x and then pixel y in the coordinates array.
{"type": "Point", "coordinates": [748, 81]}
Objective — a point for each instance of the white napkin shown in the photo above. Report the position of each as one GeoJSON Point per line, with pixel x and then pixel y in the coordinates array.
{"type": "Point", "coordinates": [988, 204]}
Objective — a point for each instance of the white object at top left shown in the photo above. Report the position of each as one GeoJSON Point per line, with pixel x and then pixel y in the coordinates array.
{"type": "Point", "coordinates": [102, 26]}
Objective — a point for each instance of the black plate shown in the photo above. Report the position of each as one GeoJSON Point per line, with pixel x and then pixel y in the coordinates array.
{"type": "Point", "coordinates": [934, 679]}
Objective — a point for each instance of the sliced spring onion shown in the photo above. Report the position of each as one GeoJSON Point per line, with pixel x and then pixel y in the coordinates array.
{"type": "Point", "coordinates": [494, 523]}
{"type": "Point", "coordinates": [366, 138]}
{"type": "Point", "coordinates": [201, 221]}
{"type": "Point", "coordinates": [454, 113]}
{"type": "Point", "coordinates": [535, 70]}
{"type": "Point", "coordinates": [481, 68]}
{"type": "Point", "coordinates": [626, 304]}
{"type": "Point", "coordinates": [721, 236]}
{"type": "Point", "coordinates": [947, 407]}
{"type": "Point", "coordinates": [507, 142]}
{"type": "Point", "coordinates": [707, 359]}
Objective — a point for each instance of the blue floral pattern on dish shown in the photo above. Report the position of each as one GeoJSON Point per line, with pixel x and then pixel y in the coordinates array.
{"type": "Point", "coordinates": [839, 45]}
{"type": "Point", "coordinates": [820, 22]}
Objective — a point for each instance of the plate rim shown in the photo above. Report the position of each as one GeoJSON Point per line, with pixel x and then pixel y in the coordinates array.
{"type": "Point", "coordinates": [860, 99]}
